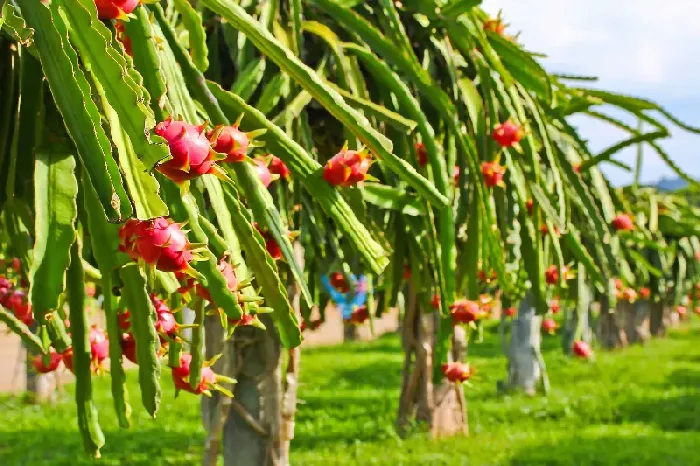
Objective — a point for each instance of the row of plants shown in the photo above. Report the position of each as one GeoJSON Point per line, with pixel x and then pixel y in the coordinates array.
{"type": "Point", "coordinates": [230, 157]}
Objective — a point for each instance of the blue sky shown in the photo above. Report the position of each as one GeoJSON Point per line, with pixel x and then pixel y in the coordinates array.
{"type": "Point", "coordinates": [645, 48]}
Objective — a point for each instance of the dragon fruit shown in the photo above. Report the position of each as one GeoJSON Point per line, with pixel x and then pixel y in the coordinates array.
{"type": "Point", "coordinates": [495, 25]}
{"type": "Point", "coordinates": [435, 302]}
{"type": "Point", "coordinates": [582, 349]}
{"type": "Point", "coordinates": [645, 293]}
{"type": "Point", "coordinates": [277, 167]}
{"type": "Point", "coordinates": [422, 154]}
{"type": "Point", "coordinates": [510, 311]}
{"type": "Point", "coordinates": [128, 345]}
{"type": "Point", "coordinates": [159, 242]}
{"type": "Point", "coordinates": [245, 321]}
{"type": "Point", "coordinates": [464, 311]}
{"type": "Point", "coordinates": [266, 177]}
{"type": "Point", "coordinates": [359, 315]}
{"type": "Point", "coordinates": [54, 361]}
{"type": "Point", "coordinates": [507, 134]}
{"type": "Point", "coordinates": [115, 9]}
{"type": "Point", "coordinates": [192, 155]}
{"type": "Point", "coordinates": [623, 222]}
{"type": "Point", "coordinates": [270, 243]}
{"type": "Point", "coordinates": [231, 142]}
{"type": "Point", "coordinates": [339, 282]}
{"type": "Point", "coordinates": [493, 174]}
{"type": "Point", "coordinates": [457, 371]}
{"type": "Point", "coordinates": [347, 168]}
{"type": "Point", "coordinates": [549, 326]}
{"type": "Point", "coordinates": [181, 377]}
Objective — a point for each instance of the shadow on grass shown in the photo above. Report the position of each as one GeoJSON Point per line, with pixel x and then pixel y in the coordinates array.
{"type": "Point", "coordinates": [55, 447]}
{"type": "Point", "coordinates": [673, 414]}
{"type": "Point", "coordinates": [642, 450]}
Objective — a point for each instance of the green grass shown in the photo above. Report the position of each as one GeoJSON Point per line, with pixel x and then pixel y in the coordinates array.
{"type": "Point", "coordinates": [640, 406]}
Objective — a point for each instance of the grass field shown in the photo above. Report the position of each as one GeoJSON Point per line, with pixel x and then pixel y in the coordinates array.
{"type": "Point", "coordinates": [640, 406]}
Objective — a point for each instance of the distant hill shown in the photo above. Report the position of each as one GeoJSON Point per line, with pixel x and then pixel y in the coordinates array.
{"type": "Point", "coordinates": [671, 184]}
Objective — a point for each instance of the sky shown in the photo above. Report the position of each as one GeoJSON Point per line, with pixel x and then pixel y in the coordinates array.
{"type": "Point", "coordinates": [645, 48]}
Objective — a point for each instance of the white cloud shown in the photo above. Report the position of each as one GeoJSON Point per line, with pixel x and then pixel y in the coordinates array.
{"type": "Point", "coordinates": [637, 47]}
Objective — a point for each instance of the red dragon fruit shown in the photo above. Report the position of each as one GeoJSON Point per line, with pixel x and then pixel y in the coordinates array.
{"type": "Point", "coordinates": [507, 134]}
{"type": "Point", "coordinates": [582, 349]}
{"type": "Point", "coordinates": [555, 305]}
{"type": "Point", "coordinates": [18, 302]}
{"type": "Point", "coordinates": [266, 177]}
{"type": "Point", "coordinates": [495, 25]}
{"type": "Point", "coordinates": [551, 275]}
{"type": "Point", "coordinates": [245, 320]}
{"type": "Point", "coordinates": [435, 302]}
{"type": "Point", "coordinates": [99, 350]}
{"type": "Point", "coordinates": [181, 377]}
{"type": "Point", "coordinates": [160, 242]}
{"type": "Point", "coordinates": [128, 345]}
{"type": "Point", "coordinates": [510, 311]}
{"type": "Point", "coordinates": [406, 272]}
{"type": "Point", "coordinates": [628, 294]}
{"type": "Point", "coordinates": [359, 315]}
{"type": "Point", "coordinates": [165, 323]}
{"type": "Point", "coordinates": [192, 155]}
{"type": "Point", "coordinates": [681, 310]}
{"type": "Point", "coordinates": [529, 205]}
{"type": "Point", "coordinates": [270, 243]}
{"type": "Point", "coordinates": [339, 282]}
{"type": "Point", "coordinates": [277, 167]}
{"type": "Point", "coordinates": [493, 174]}
{"type": "Point", "coordinates": [464, 311]}
{"type": "Point", "coordinates": [68, 359]}
{"type": "Point", "coordinates": [644, 293]}
{"type": "Point", "coordinates": [231, 142]}
{"type": "Point", "coordinates": [115, 9]}
{"type": "Point", "coordinates": [313, 325]}
{"type": "Point", "coordinates": [421, 154]}
{"type": "Point", "coordinates": [54, 361]}
{"type": "Point", "coordinates": [549, 326]}
{"type": "Point", "coordinates": [347, 167]}
{"type": "Point", "coordinates": [457, 371]}
{"type": "Point", "coordinates": [623, 222]}
{"type": "Point", "coordinates": [99, 346]}
{"type": "Point", "coordinates": [486, 278]}
{"type": "Point", "coordinates": [544, 229]}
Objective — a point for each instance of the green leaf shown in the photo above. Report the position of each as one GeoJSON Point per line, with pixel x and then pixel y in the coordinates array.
{"type": "Point", "coordinates": [331, 100]}
{"type": "Point", "coordinates": [265, 270]}
{"type": "Point", "coordinates": [71, 92]}
{"type": "Point", "coordinates": [56, 189]}
{"type": "Point", "coordinates": [606, 154]}
{"type": "Point", "coordinates": [18, 327]}
{"type": "Point", "coordinates": [142, 313]}
{"type": "Point", "coordinates": [456, 8]}
{"type": "Point", "coordinates": [249, 78]}
{"type": "Point", "coordinates": [265, 211]}
{"type": "Point", "coordinates": [143, 187]}
{"type": "Point", "coordinates": [93, 438]}
{"type": "Point", "coordinates": [147, 61]}
{"type": "Point", "coordinates": [192, 21]}
{"type": "Point", "coordinates": [388, 197]}
{"type": "Point", "coordinates": [116, 75]}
